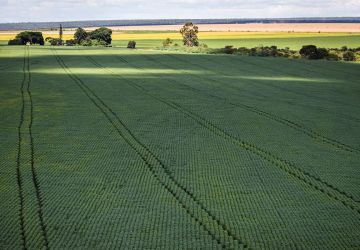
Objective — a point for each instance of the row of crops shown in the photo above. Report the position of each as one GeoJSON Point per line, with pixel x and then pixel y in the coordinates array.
{"type": "Point", "coordinates": [145, 150]}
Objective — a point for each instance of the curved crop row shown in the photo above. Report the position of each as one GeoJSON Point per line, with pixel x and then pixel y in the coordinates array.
{"type": "Point", "coordinates": [192, 206]}
{"type": "Point", "coordinates": [313, 181]}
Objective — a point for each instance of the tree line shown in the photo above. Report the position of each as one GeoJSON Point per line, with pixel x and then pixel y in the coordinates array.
{"type": "Point", "coordinates": [189, 33]}
{"type": "Point", "coordinates": [97, 37]}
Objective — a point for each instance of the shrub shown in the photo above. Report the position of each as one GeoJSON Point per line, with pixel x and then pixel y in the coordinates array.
{"type": "Point", "coordinates": [167, 42]}
{"type": "Point", "coordinates": [70, 42]}
{"type": "Point", "coordinates": [349, 56]}
{"type": "Point", "coordinates": [86, 42]}
{"type": "Point", "coordinates": [14, 42]}
{"type": "Point", "coordinates": [95, 42]}
{"type": "Point", "coordinates": [243, 51]}
{"type": "Point", "coordinates": [333, 56]}
{"type": "Point", "coordinates": [309, 52]}
{"type": "Point", "coordinates": [344, 48]}
{"type": "Point", "coordinates": [54, 41]}
{"type": "Point", "coordinates": [322, 53]}
{"type": "Point", "coordinates": [229, 49]}
{"type": "Point", "coordinates": [131, 45]}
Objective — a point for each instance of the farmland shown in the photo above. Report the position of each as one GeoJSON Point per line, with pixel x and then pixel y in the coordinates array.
{"type": "Point", "coordinates": [105, 148]}
{"type": "Point", "coordinates": [147, 39]}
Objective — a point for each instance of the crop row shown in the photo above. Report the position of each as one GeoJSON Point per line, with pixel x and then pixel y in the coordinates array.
{"type": "Point", "coordinates": [285, 121]}
{"type": "Point", "coordinates": [313, 181]}
{"type": "Point", "coordinates": [187, 200]}
{"type": "Point", "coordinates": [311, 133]}
{"type": "Point", "coordinates": [30, 201]}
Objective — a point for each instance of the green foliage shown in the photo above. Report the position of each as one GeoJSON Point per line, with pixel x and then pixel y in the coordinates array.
{"type": "Point", "coordinates": [71, 42]}
{"type": "Point", "coordinates": [30, 37]}
{"type": "Point", "coordinates": [167, 42]}
{"type": "Point", "coordinates": [54, 41]}
{"type": "Point", "coordinates": [333, 56]}
{"type": "Point", "coordinates": [101, 34]}
{"type": "Point", "coordinates": [98, 37]}
{"type": "Point", "coordinates": [60, 33]}
{"type": "Point", "coordinates": [131, 45]}
{"type": "Point", "coordinates": [111, 148]}
{"type": "Point", "coordinates": [80, 35]}
{"type": "Point", "coordinates": [349, 56]}
{"type": "Point", "coordinates": [229, 49]}
{"type": "Point", "coordinates": [309, 52]}
{"type": "Point", "coordinates": [189, 33]}
{"type": "Point", "coordinates": [87, 42]}
{"type": "Point", "coordinates": [15, 42]}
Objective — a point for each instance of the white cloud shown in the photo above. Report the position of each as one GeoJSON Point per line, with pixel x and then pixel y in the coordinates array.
{"type": "Point", "coordinates": [62, 10]}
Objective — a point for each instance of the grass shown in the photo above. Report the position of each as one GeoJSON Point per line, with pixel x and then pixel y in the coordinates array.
{"type": "Point", "coordinates": [108, 148]}
{"type": "Point", "coordinates": [238, 39]}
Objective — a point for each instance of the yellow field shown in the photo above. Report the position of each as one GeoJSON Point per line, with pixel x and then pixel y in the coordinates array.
{"type": "Point", "coordinates": [202, 35]}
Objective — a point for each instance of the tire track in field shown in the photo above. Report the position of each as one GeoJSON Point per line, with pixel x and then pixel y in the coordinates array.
{"type": "Point", "coordinates": [253, 64]}
{"type": "Point", "coordinates": [287, 122]}
{"type": "Point", "coordinates": [346, 116]}
{"type": "Point", "coordinates": [35, 178]}
{"type": "Point", "coordinates": [25, 128]}
{"type": "Point", "coordinates": [18, 170]}
{"type": "Point", "coordinates": [310, 180]}
{"type": "Point", "coordinates": [192, 206]}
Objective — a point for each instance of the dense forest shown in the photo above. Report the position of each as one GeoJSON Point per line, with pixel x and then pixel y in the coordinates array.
{"type": "Point", "coordinates": [109, 23]}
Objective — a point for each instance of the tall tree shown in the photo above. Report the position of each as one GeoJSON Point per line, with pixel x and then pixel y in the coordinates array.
{"type": "Point", "coordinates": [80, 35]}
{"type": "Point", "coordinates": [60, 32]}
{"type": "Point", "coordinates": [189, 33]}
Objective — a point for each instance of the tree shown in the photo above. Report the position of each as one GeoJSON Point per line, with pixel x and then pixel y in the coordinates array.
{"type": "Point", "coordinates": [101, 34]}
{"type": "Point", "coordinates": [30, 37]}
{"type": "Point", "coordinates": [349, 56]}
{"type": "Point", "coordinates": [80, 35]}
{"type": "Point", "coordinates": [61, 32]}
{"type": "Point", "coordinates": [131, 45]}
{"type": "Point", "coordinates": [312, 52]}
{"type": "Point", "coordinates": [189, 33]}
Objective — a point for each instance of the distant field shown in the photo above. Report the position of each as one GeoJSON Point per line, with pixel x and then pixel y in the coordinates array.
{"type": "Point", "coordinates": [110, 148]}
{"type": "Point", "coordinates": [293, 40]}
{"type": "Point", "coordinates": [247, 39]}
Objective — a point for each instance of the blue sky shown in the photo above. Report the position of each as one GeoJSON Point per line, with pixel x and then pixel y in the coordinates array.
{"type": "Point", "coordinates": [68, 10]}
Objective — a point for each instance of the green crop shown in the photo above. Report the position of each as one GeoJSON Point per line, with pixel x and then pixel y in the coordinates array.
{"type": "Point", "coordinates": [108, 148]}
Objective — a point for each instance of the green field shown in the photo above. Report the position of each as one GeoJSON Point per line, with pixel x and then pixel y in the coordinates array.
{"type": "Point", "coordinates": [293, 40]}
{"type": "Point", "coordinates": [142, 149]}
{"type": "Point", "coordinates": [294, 43]}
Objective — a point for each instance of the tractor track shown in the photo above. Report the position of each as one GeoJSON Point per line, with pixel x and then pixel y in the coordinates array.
{"type": "Point", "coordinates": [27, 103]}
{"type": "Point", "coordinates": [309, 179]}
{"type": "Point", "coordinates": [287, 122]}
{"type": "Point", "coordinates": [18, 170]}
{"type": "Point", "coordinates": [192, 206]}
{"type": "Point", "coordinates": [35, 178]}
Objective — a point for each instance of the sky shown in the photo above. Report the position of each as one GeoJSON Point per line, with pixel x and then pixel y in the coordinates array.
{"type": "Point", "coordinates": [69, 10]}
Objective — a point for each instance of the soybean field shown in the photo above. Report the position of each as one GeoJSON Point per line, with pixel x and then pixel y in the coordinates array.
{"type": "Point", "coordinates": [108, 148]}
